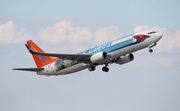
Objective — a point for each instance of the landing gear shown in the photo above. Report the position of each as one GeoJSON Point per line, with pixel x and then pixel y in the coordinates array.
{"type": "Point", "coordinates": [150, 50]}
{"type": "Point", "coordinates": [91, 68]}
{"type": "Point", "coordinates": [105, 69]}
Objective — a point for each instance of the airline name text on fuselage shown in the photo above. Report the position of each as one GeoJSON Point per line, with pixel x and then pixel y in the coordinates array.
{"type": "Point", "coordinates": [106, 45]}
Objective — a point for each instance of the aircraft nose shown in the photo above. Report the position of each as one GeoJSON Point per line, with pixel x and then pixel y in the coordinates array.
{"type": "Point", "coordinates": [158, 36]}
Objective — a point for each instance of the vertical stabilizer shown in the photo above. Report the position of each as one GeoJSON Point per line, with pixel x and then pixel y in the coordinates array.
{"type": "Point", "coordinates": [40, 60]}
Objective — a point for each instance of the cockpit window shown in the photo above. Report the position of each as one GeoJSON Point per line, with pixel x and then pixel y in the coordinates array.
{"type": "Point", "coordinates": [152, 32]}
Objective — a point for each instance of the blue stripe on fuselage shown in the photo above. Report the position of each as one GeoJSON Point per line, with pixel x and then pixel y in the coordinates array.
{"type": "Point", "coordinates": [112, 46]}
{"type": "Point", "coordinates": [107, 47]}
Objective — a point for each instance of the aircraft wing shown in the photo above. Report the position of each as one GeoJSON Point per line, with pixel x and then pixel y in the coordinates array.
{"type": "Point", "coordinates": [62, 56]}
{"type": "Point", "coordinates": [29, 69]}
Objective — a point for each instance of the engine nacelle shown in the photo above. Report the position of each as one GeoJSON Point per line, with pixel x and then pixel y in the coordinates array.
{"type": "Point", "coordinates": [100, 57]}
{"type": "Point", "coordinates": [125, 59]}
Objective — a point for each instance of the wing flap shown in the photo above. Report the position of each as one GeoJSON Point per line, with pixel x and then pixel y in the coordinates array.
{"type": "Point", "coordinates": [29, 69]}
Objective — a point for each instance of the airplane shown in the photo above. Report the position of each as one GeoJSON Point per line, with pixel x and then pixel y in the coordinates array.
{"type": "Point", "coordinates": [118, 51]}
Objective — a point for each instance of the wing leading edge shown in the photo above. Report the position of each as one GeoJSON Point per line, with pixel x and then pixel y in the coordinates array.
{"type": "Point", "coordinates": [62, 56]}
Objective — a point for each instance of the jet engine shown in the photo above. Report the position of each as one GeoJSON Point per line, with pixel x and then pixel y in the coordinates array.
{"type": "Point", "coordinates": [125, 59]}
{"type": "Point", "coordinates": [99, 57]}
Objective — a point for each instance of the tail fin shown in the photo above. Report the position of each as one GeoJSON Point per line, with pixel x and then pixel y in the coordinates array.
{"type": "Point", "coordinates": [40, 60]}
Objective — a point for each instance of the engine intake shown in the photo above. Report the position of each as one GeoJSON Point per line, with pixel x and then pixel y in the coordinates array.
{"type": "Point", "coordinates": [99, 57]}
{"type": "Point", "coordinates": [125, 59]}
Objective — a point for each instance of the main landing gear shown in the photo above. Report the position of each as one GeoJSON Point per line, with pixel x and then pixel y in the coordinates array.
{"type": "Point", "coordinates": [105, 68]}
{"type": "Point", "coordinates": [92, 68]}
{"type": "Point", "coordinates": [150, 50]}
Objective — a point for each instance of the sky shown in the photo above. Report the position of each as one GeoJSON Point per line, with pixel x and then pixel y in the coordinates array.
{"type": "Point", "coordinates": [149, 83]}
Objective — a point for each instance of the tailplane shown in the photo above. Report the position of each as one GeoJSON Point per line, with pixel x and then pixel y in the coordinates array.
{"type": "Point", "coordinates": [40, 60]}
{"type": "Point", "coordinates": [29, 69]}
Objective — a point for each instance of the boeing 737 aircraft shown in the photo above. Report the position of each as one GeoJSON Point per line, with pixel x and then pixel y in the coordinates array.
{"type": "Point", "coordinates": [118, 51]}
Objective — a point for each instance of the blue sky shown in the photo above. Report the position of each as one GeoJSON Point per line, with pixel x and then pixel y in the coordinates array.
{"type": "Point", "coordinates": [150, 82]}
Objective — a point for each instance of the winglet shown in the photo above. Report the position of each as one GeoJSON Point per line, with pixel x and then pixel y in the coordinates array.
{"type": "Point", "coordinates": [29, 49]}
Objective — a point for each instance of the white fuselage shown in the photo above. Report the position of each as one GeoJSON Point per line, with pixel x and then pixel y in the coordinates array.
{"type": "Point", "coordinates": [114, 49]}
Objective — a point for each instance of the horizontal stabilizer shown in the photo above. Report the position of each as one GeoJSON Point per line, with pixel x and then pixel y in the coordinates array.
{"type": "Point", "coordinates": [29, 69]}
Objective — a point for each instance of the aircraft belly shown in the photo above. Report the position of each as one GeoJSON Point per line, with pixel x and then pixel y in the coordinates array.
{"type": "Point", "coordinates": [67, 70]}
{"type": "Point", "coordinates": [121, 52]}
{"type": "Point", "coordinates": [128, 50]}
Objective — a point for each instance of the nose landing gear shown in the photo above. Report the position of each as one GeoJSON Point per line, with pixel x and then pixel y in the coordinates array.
{"type": "Point", "coordinates": [150, 50]}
